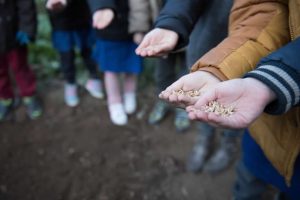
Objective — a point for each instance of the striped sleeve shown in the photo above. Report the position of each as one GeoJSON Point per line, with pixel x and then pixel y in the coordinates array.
{"type": "Point", "coordinates": [284, 81]}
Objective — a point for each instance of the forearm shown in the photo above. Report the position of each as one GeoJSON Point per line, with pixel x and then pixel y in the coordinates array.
{"type": "Point", "coordinates": [256, 29]}
{"type": "Point", "coordinates": [96, 5]}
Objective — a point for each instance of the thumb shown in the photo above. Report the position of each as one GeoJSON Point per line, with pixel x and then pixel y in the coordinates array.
{"type": "Point", "coordinates": [142, 45]}
{"type": "Point", "coordinates": [205, 98]}
{"type": "Point", "coordinates": [95, 19]}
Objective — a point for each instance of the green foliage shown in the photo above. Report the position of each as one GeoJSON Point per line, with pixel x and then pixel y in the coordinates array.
{"type": "Point", "coordinates": [147, 77]}
{"type": "Point", "coordinates": [42, 55]}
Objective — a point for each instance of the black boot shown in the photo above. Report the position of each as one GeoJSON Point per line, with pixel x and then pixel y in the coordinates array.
{"type": "Point", "coordinates": [6, 106]}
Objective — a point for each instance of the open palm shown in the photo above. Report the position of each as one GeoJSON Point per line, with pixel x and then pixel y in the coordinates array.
{"type": "Point", "coordinates": [102, 18]}
{"type": "Point", "coordinates": [248, 97]}
{"type": "Point", "coordinates": [196, 81]}
{"type": "Point", "coordinates": [56, 4]}
{"type": "Point", "coordinates": [157, 42]}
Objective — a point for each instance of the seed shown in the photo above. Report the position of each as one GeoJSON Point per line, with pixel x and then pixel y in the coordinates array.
{"type": "Point", "coordinates": [190, 93]}
{"type": "Point", "coordinates": [218, 109]}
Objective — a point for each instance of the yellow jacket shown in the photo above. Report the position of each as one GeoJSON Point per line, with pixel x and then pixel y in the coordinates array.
{"type": "Point", "coordinates": [258, 27]}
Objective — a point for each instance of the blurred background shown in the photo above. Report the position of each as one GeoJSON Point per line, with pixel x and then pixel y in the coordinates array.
{"type": "Point", "coordinates": [77, 154]}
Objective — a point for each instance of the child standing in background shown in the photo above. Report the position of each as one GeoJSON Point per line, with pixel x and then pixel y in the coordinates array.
{"type": "Point", "coordinates": [71, 23]}
{"type": "Point", "coordinates": [115, 54]}
{"type": "Point", "coordinates": [17, 28]}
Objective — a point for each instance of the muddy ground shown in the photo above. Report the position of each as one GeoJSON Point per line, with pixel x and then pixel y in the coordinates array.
{"type": "Point", "coordinates": [77, 154]}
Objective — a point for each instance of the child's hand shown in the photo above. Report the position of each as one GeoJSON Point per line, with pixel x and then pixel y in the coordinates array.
{"type": "Point", "coordinates": [138, 37]}
{"type": "Point", "coordinates": [102, 18]}
{"type": "Point", "coordinates": [179, 92]}
{"type": "Point", "coordinates": [158, 42]}
{"type": "Point", "coordinates": [248, 98]}
{"type": "Point", "coordinates": [56, 4]}
{"type": "Point", "coordinates": [22, 38]}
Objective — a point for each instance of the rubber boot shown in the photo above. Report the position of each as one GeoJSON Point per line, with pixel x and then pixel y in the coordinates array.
{"type": "Point", "coordinates": [199, 153]}
{"type": "Point", "coordinates": [224, 155]}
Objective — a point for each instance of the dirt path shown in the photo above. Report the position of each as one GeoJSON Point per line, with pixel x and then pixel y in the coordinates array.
{"type": "Point", "coordinates": [77, 154]}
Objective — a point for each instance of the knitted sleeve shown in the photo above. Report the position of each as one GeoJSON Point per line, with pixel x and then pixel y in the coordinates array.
{"type": "Point", "coordinates": [281, 72]}
{"type": "Point", "coordinates": [284, 81]}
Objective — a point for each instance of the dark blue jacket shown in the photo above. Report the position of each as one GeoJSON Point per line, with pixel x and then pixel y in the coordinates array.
{"type": "Point", "coordinates": [281, 72]}
{"type": "Point", "coordinates": [76, 16]}
{"type": "Point", "coordinates": [180, 16]}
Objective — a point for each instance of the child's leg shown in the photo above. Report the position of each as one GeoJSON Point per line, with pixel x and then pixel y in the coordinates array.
{"type": "Point", "coordinates": [112, 87]}
{"type": "Point", "coordinates": [26, 81]}
{"type": "Point", "coordinates": [164, 74]}
{"type": "Point", "coordinates": [130, 85]}
{"type": "Point", "coordinates": [93, 85]}
{"type": "Point", "coordinates": [68, 66]}
{"type": "Point", "coordinates": [114, 98]}
{"type": "Point", "coordinates": [89, 63]}
{"type": "Point", "coordinates": [67, 62]}
{"type": "Point", "coordinates": [6, 91]}
{"type": "Point", "coordinates": [24, 76]}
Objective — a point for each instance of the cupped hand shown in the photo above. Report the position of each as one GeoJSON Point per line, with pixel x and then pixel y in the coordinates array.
{"type": "Point", "coordinates": [22, 37]}
{"type": "Point", "coordinates": [178, 92]}
{"type": "Point", "coordinates": [248, 97]}
{"type": "Point", "coordinates": [102, 18]}
{"type": "Point", "coordinates": [157, 42]}
{"type": "Point", "coordinates": [56, 5]}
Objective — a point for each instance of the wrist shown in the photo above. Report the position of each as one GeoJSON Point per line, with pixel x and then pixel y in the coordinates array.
{"type": "Point", "coordinates": [263, 91]}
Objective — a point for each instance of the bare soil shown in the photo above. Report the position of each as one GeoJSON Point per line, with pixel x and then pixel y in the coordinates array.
{"type": "Point", "coordinates": [77, 154]}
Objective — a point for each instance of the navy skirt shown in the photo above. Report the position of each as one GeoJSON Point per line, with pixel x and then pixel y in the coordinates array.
{"type": "Point", "coordinates": [117, 56]}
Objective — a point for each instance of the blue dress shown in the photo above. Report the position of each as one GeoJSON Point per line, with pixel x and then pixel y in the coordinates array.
{"type": "Point", "coordinates": [117, 56]}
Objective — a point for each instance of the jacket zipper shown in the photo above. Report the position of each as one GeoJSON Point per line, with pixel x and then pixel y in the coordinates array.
{"type": "Point", "coordinates": [291, 30]}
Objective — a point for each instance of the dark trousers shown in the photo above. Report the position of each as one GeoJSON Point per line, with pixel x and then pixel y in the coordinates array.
{"type": "Point", "coordinates": [207, 131]}
{"type": "Point", "coordinates": [247, 186]}
{"type": "Point", "coordinates": [209, 31]}
{"type": "Point", "coordinates": [68, 68]}
{"type": "Point", "coordinates": [169, 70]}
{"type": "Point", "coordinates": [16, 61]}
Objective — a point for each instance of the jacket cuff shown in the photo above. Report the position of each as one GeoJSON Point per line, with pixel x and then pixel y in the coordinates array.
{"type": "Point", "coordinates": [97, 5]}
{"type": "Point", "coordinates": [213, 71]}
{"type": "Point", "coordinates": [284, 81]}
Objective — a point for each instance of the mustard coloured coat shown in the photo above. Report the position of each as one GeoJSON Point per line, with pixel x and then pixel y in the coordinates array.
{"type": "Point", "coordinates": [257, 28]}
